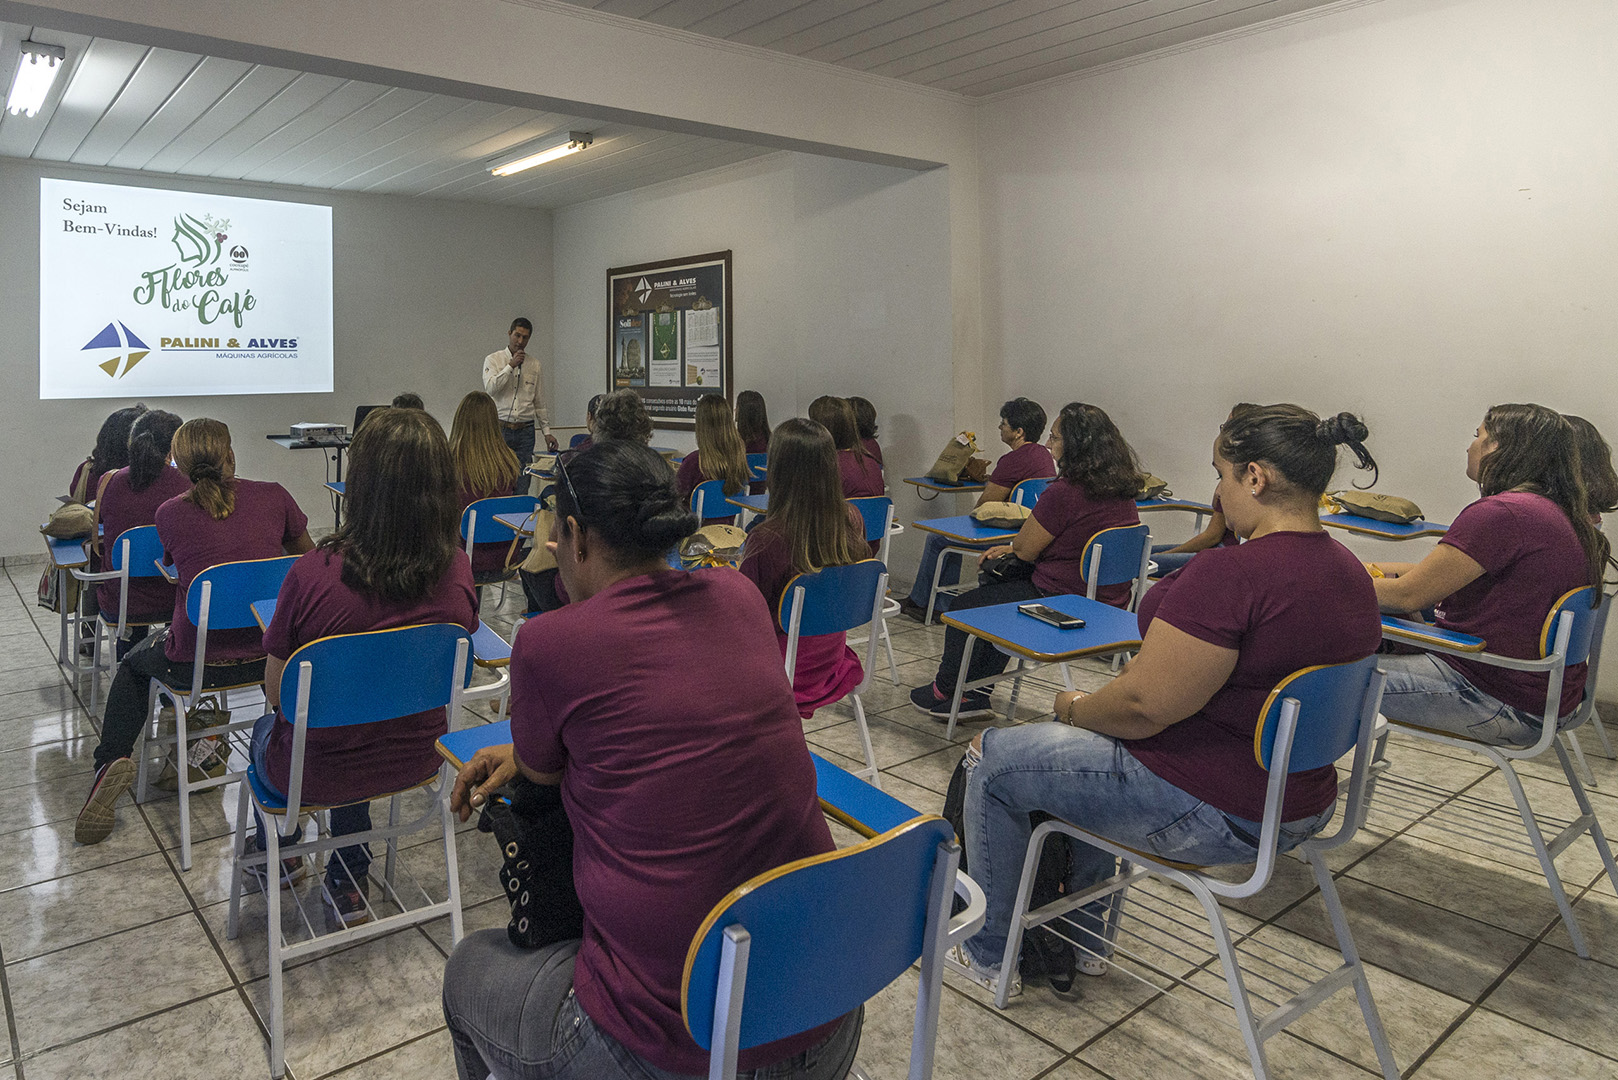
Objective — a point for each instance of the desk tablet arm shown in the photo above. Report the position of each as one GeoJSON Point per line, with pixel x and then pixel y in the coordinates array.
{"type": "Point", "coordinates": [969, 920]}
{"type": "Point", "coordinates": [1431, 638]}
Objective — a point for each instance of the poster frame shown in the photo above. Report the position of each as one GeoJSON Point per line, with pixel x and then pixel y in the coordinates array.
{"type": "Point", "coordinates": [721, 259]}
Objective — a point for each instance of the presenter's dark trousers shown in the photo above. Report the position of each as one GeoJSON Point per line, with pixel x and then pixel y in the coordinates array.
{"type": "Point", "coordinates": [520, 437]}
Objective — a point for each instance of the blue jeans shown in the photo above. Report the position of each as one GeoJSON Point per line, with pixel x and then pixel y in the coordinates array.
{"type": "Point", "coordinates": [521, 441]}
{"type": "Point", "coordinates": [1423, 690]}
{"type": "Point", "coordinates": [1168, 562]}
{"type": "Point", "coordinates": [512, 1014]}
{"type": "Point", "coordinates": [930, 555]}
{"type": "Point", "coordinates": [344, 819]}
{"type": "Point", "coordinates": [1095, 783]}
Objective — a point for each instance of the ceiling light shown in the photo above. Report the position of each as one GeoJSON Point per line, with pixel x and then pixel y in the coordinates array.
{"type": "Point", "coordinates": [556, 148]}
{"type": "Point", "coordinates": [35, 73]}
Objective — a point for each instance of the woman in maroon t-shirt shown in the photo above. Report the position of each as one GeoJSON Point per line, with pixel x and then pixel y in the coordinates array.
{"type": "Point", "coordinates": [809, 525]}
{"type": "Point", "coordinates": [485, 468]}
{"type": "Point", "coordinates": [719, 455]}
{"type": "Point", "coordinates": [862, 473]}
{"type": "Point", "coordinates": [657, 701]}
{"type": "Point", "coordinates": [865, 421]}
{"type": "Point", "coordinates": [753, 424]}
{"type": "Point", "coordinates": [128, 499]}
{"type": "Point", "coordinates": [1218, 533]}
{"type": "Point", "coordinates": [1162, 758]}
{"type": "Point", "coordinates": [1496, 573]}
{"type": "Point", "coordinates": [1095, 489]}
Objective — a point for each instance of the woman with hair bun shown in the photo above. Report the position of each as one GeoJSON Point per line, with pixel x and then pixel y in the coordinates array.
{"type": "Point", "coordinates": [1496, 573]}
{"type": "Point", "coordinates": [1162, 758]}
{"type": "Point", "coordinates": [129, 498]}
{"type": "Point", "coordinates": [862, 473]}
{"type": "Point", "coordinates": [683, 776]}
{"type": "Point", "coordinates": [223, 518]}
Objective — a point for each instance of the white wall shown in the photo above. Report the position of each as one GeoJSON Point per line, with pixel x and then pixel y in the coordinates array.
{"type": "Point", "coordinates": [424, 290]}
{"type": "Point", "coordinates": [1404, 209]}
{"type": "Point", "coordinates": [841, 286]}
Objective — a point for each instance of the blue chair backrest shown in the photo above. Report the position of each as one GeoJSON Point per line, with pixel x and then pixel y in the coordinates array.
{"type": "Point", "coordinates": [713, 499]}
{"type": "Point", "coordinates": [1330, 699]}
{"type": "Point", "coordinates": [836, 598]}
{"type": "Point", "coordinates": [758, 463]}
{"type": "Point", "coordinates": [1027, 492]}
{"type": "Point", "coordinates": [577, 439]}
{"type": "Point", "coordinates": [1120, 554]}
{"type": "Point", "coordinates": [874, 509]}
{"type": "Point", "coordinates": [489, 529]}
{"type": "Point", "coordinates": [828, 933]}
{"type": "Point", "coordinates": [1577, 601]}
{"type": "Point", "coordinates": [236, 585]}
{"type": "Point", "coordinates": [145, 549]}
{"type": "Point", "coordinates": [380, 675]}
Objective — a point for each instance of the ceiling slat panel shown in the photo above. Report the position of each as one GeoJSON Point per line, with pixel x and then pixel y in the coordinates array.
{"type": "Point", "coordinates": [959, 27]}
{"type": "Point", "coordinates": [259, 85]}
{"type": "Point", "coordinates": [631, 9]}
{"type": "Point", "coordinates": [160, 74]}
{"type": "Point", "coordinates": [319, 171]}
{"type": "Point", "coordinates": [682, 13]}
{"type": "Point", "coordinates": [862, 28]}
{"type": "Point", "coordinates": [739, 16]}
{"type": "Point", "coordinates": [435, 137]}
{"type": "Point", "coordinates": [206, 84]}
{"type": "Point", "coordinates": [105, 68]}
{"type": "Point", "coordinates": [285, 148]}
{"type": "Point", "coordinates": [19, 134]}
{"type": "Point", "coordinates": [671, 167]}
{"type": "Point", "coordinates": [290, 102]}
{"type": "Point", "coordinates": [654, 153]}
{"type": "Point", "coordinates": [798, 18]}
{"type": "Point", "coordinates": [384, 107]}
{"type": "Point", "coordinates": [519, 126]}
{"type": "Point", "coordinates": [1046, 44]}
{"type": "Point", "coordinates": [615, 149]}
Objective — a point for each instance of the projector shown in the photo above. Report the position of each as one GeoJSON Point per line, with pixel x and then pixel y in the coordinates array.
{"type": "Point", "coordinates": [312, 432]}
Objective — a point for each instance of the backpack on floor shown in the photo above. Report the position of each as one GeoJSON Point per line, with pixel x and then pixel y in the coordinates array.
{"type": "Point", "coordinates": [1044, 955]}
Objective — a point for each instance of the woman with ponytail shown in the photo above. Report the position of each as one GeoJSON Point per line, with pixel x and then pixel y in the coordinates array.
{"type": "Point", "coordinates": [684, 775]}
{"type": "Point", "coordinates": [1505, 561]}
{"type": "Point", "coordinates": [129, 498]}
{"type": "Point", "coordinates": [1162, 758]}
{"type": "Point", "coordinates": [223, 518]}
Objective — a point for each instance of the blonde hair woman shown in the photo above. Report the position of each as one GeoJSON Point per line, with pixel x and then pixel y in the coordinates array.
{"type": "Point", "coordinates": [720, 455]}
{"type": "Point", "coordinates": [485, 467]}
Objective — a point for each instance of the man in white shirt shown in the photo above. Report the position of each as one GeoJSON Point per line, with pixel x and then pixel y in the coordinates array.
{"type": "Point", "coordinates": [513, 379]}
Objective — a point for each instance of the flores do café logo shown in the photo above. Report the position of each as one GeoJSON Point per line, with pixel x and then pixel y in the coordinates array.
{"type": "Point", "coordinates": [194, 283]}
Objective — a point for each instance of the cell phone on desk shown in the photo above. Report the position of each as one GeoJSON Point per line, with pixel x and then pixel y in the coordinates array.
{"type": "Point", "coordinates": [1047, 614]}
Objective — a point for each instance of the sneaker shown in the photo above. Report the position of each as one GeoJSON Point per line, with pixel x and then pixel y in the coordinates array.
{"type": "Point", "coordinates": [974, 704]}
{"type": "Point", "coordinates": [912, 610]}
{"type": "Point", "coordinates": [293, 870]}
{"type": "Point", "coordinates": [960, 961]}
{"type": "Point", "coordinates": [345, 903]}
{"type": "Point", "coordinates": [1093, 966]}
{"type": "Point", "coordinates": [97, 818]}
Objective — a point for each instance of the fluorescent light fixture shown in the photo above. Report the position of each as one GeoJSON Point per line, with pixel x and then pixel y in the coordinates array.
{"type": "Point", "coordinates": [555, 148]}
{"type": "Point", "coordinates": [35, 73]}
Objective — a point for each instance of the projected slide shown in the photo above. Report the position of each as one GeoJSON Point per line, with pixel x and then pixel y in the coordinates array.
{"type": "Point", "coordinates": [152, 293]}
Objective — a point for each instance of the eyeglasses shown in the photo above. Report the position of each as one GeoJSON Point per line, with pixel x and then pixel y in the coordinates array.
{"type": "Point", "coordinates": [572, 493]}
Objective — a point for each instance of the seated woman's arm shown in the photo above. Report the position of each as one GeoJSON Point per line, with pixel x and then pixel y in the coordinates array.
{"type": "Point", "coordinates": [490, 769]}
{"type": "Point", "coordinates": [1172, 676]}
{"type": "Point", "coordinates": [1205, 539]}
{"type": "Point", "coordinates": [300, 545]}
{"type": "Point", "coordinates": [1445, 569]}
{"type": "Point", "coordinates": [1029, 543]}
{"type": "Point", "coordinates": [992, 492]}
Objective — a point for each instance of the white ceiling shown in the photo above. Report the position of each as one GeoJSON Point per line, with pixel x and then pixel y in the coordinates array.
{"type": "Point", "coordinates": [131, 107]}
{"type": "Point", "coordinates": [972, 47]}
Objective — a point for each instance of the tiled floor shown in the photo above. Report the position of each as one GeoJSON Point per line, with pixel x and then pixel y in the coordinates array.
{"type": "Point", "coordinates": [116, 963]}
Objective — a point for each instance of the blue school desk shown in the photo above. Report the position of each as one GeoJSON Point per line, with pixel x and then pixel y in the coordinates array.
{"type": "Point", "coordinates": [66, 556]}
{"type": "Point", "coordinates": [337, 444]}
{"type": "Point", "coordinates": [1201, 510]}
{"type": "Point", "coordinates": [757, 504]}
{"type": "Point", "coordinates": [924, 485]}
{"type": "Point", "coordinates": [489, 649]}
{"type": "Point", "coordinates": [963, 529]}
{"type": "Point", "coordinates": [521, 524]}
{"type": "Point", "coordinates": [1383, 530]}
{"type": "Point", "coordinates": [1106, 629]}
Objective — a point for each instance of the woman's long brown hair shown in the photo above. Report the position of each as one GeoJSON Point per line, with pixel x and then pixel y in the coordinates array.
{"type": "Point", "coordinates": [720, 453]}
{"type": "Point", "coordinates": [201, 449]}
{"type": "Point", "coordinates": [484, 464]}
{"type": "Point", "coordinates": [806, 497]}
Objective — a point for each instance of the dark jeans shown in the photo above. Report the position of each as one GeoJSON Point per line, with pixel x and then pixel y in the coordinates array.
{"type": "Point", "coordinates": [355, 860]}
{"type": "Point", "coordinates": [986, 659]}
{"type": "Point", "coordinates": [540, 589]}
{"type": "Point", "coordinates": [121, 724]}
{"type": "Point", "coordinates": [521, 441]}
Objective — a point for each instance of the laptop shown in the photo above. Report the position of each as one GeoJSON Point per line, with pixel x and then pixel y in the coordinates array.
{"type": "Point", "coordinates": [360, 413]}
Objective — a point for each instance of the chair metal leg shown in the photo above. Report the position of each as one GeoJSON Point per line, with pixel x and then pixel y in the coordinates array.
{"type": "Point", "coordinates": [887, 643]}
{"type": "Point", "coordinates": [865, 743]}
{"type": "Point", "coordinates": [389, 868]}
{"type": "Point", "coordinates": [233, 920]}
{"type": "Point", "coordinates": [1233, 976]}
{"type": "Point", "coordinates": [1587, 817]}
{"type": "Point", "coordinates": [182, 766]}
{"type": "Point", "coordinates": [142, 751]}
{"type": "Point", "coordinates": [1351, 957]}
{"type": "Point", "coordinates": [1016, 688]}
{"type": "Point", "coordinates": [1571, 739]}
{"type": "Point", "coordinates": [960, 686]}
{"type": "Point", "coordinates": [272, 892]}
{"type": "Point", "coordinates": [1019, 914]}
{"type": "Point", "coordinates": [1601, 733]}
{"type": "Point", "coordinates": [452, 864]}
{"type": "Point", "coordinates": [1547, 861]}
{"type": "Point", "coordinates": [1067, 676]}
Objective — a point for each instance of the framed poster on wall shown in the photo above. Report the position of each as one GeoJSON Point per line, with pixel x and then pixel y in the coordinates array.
{"type": "Point", "coordinates": [669, 334]}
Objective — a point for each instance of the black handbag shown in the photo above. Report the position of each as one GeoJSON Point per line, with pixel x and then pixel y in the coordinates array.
{"type": "Point", "coordinates": [1004, 567]}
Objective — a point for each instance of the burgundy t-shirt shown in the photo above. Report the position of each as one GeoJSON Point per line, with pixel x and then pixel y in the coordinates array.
{"type": "Point", "coordinates": [90, 484]}
{"type": "Point", "coordinates": [862, 477]}
{"type": "Point", "coordinates": [827, 669]}
{"type": "Point", "coordinates": [490, 556]}
{"type": "Point", "coordinates": [1068, 514]}
{"type": "Point", "coordinates": [1229, 539]}
{"type": "Point", "coordinates": [122, 508]}
{"type": "Point", "coordinates": [686, 480]}
{"type": "Point", "coordinates": [1285, 601]}
{"type": "Point", "coordinates": [265, 520]}
{"type": "Point", "coordinates": [685, 773]}
{"type": "Point", "coordinates": [348, 764]}
{"type": "Point", "coordinates": [1531, 557]}
{"type": "Point", "coordinates": [871, 447]}
{"type": "Point", "coordinates": [1030, 461]}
